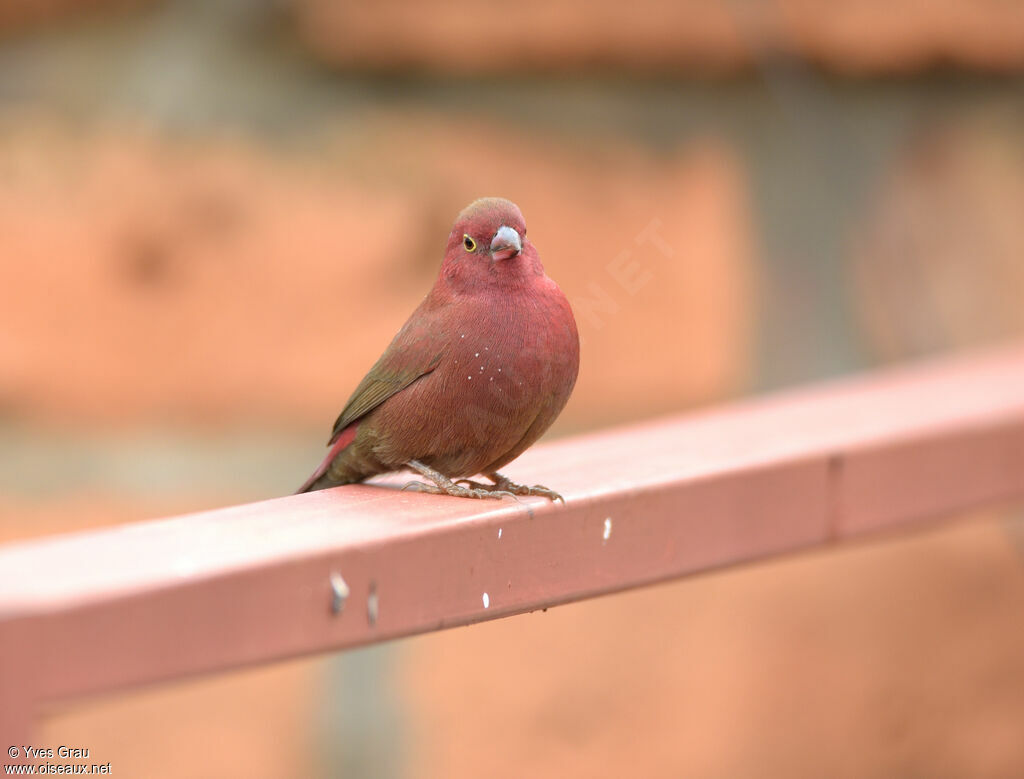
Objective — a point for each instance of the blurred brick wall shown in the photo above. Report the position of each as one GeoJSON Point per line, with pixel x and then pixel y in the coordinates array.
{"type": "Point", "coordinates": [859, 36]}
{"type": "Point", "coordinates": [155, 280]}
{"type": "Point", "coordinates": [944, 230]}
{"type": "Point", "coordinates": [473, 37]}
{"type": "Point", "coordinates": [21, 15]}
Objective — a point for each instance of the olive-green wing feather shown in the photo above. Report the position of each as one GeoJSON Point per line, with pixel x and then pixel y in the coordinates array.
{"type": "Point", "coordinates": [414, 352]}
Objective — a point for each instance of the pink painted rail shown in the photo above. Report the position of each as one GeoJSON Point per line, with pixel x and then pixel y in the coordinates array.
{"type": "Point", "coordinates": [157, 600]}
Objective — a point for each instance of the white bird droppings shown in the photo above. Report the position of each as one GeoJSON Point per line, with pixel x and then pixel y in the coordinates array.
{"type": "Point", "coordinates": [372, 606]}
{"type": "Point", "coordinates": [339, 591]}
{"type": "Point", "coordinates": [499, 532]}
{"type": "Point", "coordinates": [607, 529]}
{"type": "Point", "coordinates": [487, 601]}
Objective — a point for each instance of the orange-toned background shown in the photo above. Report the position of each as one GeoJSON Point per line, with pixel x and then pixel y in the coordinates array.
{"type": "Point", "coordinates": [213, 216]}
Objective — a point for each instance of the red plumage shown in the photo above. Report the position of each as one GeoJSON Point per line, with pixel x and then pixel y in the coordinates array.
{"type": "Point", "coordinates": [475, 376]}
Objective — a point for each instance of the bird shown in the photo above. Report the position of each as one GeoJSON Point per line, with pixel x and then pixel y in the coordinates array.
{"type": "Point", "coordinates": [474, 377]}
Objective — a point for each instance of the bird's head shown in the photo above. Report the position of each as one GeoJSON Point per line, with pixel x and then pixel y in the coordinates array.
{"type": "Point", "coordinates": [488, 244]}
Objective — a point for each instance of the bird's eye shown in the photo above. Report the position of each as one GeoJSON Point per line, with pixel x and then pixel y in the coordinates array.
{"type": "Point", "coordinates": [469, 243]}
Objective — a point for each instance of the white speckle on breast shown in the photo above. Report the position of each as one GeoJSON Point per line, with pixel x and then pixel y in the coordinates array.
{"type": "Point", "coordinates": [487, 601]}
{"type": "Point", "coordinates": [499, 532]}
{"type": "Point", "coordinates": [462, 336]}
{"type": "Point", "coordinates": [607, 529]}
{"type": "Point", "coordinates": [476, 354]}
{"type": "Point", "coordinates": [469, 378]}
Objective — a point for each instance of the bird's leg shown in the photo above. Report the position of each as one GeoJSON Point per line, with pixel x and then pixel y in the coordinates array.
{"type": "Point", "coordinates": [445, 486]}
{"type": "Point", "coordinates": [507, 486]}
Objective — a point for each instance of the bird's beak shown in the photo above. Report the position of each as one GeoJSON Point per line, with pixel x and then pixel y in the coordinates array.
{"type": "Point", "coordinates": [506, 244]}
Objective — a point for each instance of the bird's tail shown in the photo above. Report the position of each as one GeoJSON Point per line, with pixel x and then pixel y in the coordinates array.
{"type": "Point", "coordinates": [318, 481]}
{"type": "Point", "coordinates": [321, 478]}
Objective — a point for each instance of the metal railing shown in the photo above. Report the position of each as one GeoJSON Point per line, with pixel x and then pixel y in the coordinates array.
{"type": "Point", "coordinates": [158, 600]}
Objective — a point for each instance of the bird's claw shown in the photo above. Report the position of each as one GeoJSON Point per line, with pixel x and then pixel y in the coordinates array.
{"type": "Point", "coordinates": [457, 491]}
{"type": "Point", "coordinates": [505, 484]}
{"type": "Point", "coordinates": [502, 487]}
{"type": "Point", "coordinates": [542, 491]}
{"type": "Point", "coordinates": [546, 492]}
{"type": "Point", "coordinates": [475, 484]}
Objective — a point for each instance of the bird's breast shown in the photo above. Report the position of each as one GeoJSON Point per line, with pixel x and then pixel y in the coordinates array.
{"type": "Point", "coordinates": [519, 345]}
{"type": "Point", "coordinates": [507, 368]}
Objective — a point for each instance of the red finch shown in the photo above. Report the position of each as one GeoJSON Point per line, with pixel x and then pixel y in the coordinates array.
{"type": "Point", "coordinates": [475, 376]}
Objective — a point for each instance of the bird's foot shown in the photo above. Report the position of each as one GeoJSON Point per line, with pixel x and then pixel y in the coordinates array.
{"type": "Point", "coordinates": [444, 486]}
{"type": "Point", "coordinates": [455, 490]}
{"type": "Point", "coordinates": [506, 485]}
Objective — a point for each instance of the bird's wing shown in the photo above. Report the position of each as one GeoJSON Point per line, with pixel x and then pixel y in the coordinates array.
{"type": "Point", "coordinates": [414, 352]}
